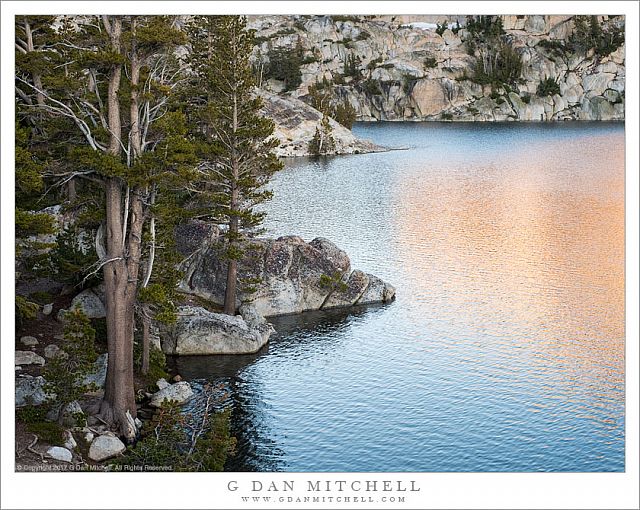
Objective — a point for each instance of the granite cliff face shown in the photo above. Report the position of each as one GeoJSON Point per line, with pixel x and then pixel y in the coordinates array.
{"type": "Point", "coordinates": [408, 71]}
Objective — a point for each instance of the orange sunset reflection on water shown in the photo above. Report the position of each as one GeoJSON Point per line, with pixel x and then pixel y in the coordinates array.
{"type": "Point", "coordinates": [531, 252]}
{"type": "Point", "coordinates": [504, 348]}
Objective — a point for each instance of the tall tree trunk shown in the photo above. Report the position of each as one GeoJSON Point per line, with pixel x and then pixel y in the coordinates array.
{"type": "Point", "coordinates": [146, 309]}
{"type": "Point", "coordinates": [35, 76]}
{"type": "Point", "coordinates": [118, 406]}
{"type": "Point", "coordinates": [135, 137]}
{"type": "Point", "coordinates": [134, 133]}
{"type": "Point", "coordinates": [71, 190]}
{"type": "Point", "coordinates": [232, 266]}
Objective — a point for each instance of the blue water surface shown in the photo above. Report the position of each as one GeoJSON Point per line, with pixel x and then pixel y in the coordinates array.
{"type": "Point", "coordinates": [504, 350]}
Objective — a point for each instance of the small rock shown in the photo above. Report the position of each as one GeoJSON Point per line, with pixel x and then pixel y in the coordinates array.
{"type": "Point", "coordinates": [28, 358]}
{"type": "Point", "coordinates": [99, 375]}
{"type": "Point", "coordinates": [162, 384]}
{"type": "Point", "coordinates": [177, 378]}
{"type": "Point", "coordinates": [138, 423]}
{"type": "Point", "coordinates": [91, 301]}
{"type": "Point", "coordinates": [73, 413]}
{"type": "Point", "coordinates": [29, 341]}
{"type": "Point", "coordinates": [30, 390]}
{"type": "Point", "coordinates": [47, 309]}
{"type": "Point", "coordinates": [51, 351]}
{"type": "Point", "coordinates": [59, 453]}
{"type": "Point", "coordinates": [18, 368]}
{"type": "Point", "coordinates": [70, 442]}
{"type": "Point", "coordinates": [178, 392]}
{"type": "Point", "coordinates": [88, 437]}
{"type": "Point", "coordinates": [69, 416]}
{"type": "Point", "coordinates": [104, 447]}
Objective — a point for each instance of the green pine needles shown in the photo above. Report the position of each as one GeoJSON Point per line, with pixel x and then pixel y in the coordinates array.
{"type": "Point", "coordinates": [322, 142]}
{"type": "Point", "coordinates": [178, 442]}
{"type": "Point", "coordinates": [233, 139]}
{"type": "Point", "coordinates": [497, 61]}
{"type": "Point", "coordinates": [66, 373]}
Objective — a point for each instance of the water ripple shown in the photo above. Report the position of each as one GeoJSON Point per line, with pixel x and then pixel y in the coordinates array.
{"type": "Point", "coordinates": [505, 348]}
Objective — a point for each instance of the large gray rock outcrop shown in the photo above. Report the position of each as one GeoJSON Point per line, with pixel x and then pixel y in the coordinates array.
{"type": "Point", "coordinates": [198, 331]}
{"type": "Point", "coordinates": [292, 276]}
{"type": "Point", "coordinates": [296, 123]}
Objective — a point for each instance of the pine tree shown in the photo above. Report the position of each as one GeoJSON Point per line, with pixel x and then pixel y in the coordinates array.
{"type": "Point", "coordinates": [322, 142]}
{"type": "Point", "coordinates": [234, 140]}
{"type": "Point", "coordinates": [345, 114]}
{"type": "Point", "coordinates": [104, 91]}
{"type": "Point", "coordinates": [65, 373]}
{"type": "Point", "coordinates": [33, 36]}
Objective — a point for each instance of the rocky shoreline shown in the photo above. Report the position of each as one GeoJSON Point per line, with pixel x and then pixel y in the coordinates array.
{"type": "Point", "coordinates": [295, 277]}
{"type": "Point", "coordinates": [296, 122]}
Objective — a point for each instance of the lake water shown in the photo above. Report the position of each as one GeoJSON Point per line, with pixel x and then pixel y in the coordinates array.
{"type": "Point", "coordinates": [504, 350]}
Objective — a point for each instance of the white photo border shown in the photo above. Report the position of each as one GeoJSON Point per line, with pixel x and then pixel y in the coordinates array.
{"type": "Point", "coordinates": [214, 490]}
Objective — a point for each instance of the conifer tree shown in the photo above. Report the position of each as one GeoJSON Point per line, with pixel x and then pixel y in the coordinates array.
{"type": "Point", "coordinates": [322, 142]}
{"type": "Point", "coordinates": [105, 89]}
{"type": "Point", "coordinates": [66, 373]}
{"type": "Point", "coordinates": [233, 138]}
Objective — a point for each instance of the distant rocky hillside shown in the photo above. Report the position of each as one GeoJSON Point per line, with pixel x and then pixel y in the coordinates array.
{"type": "Point", "coordinates": [526, 68]}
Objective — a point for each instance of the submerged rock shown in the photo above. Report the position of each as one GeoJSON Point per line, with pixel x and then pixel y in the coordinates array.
{"type": "Point", "coordinates": [292, 276]}
{"type": "Point", "coordinates": [198, 331]}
